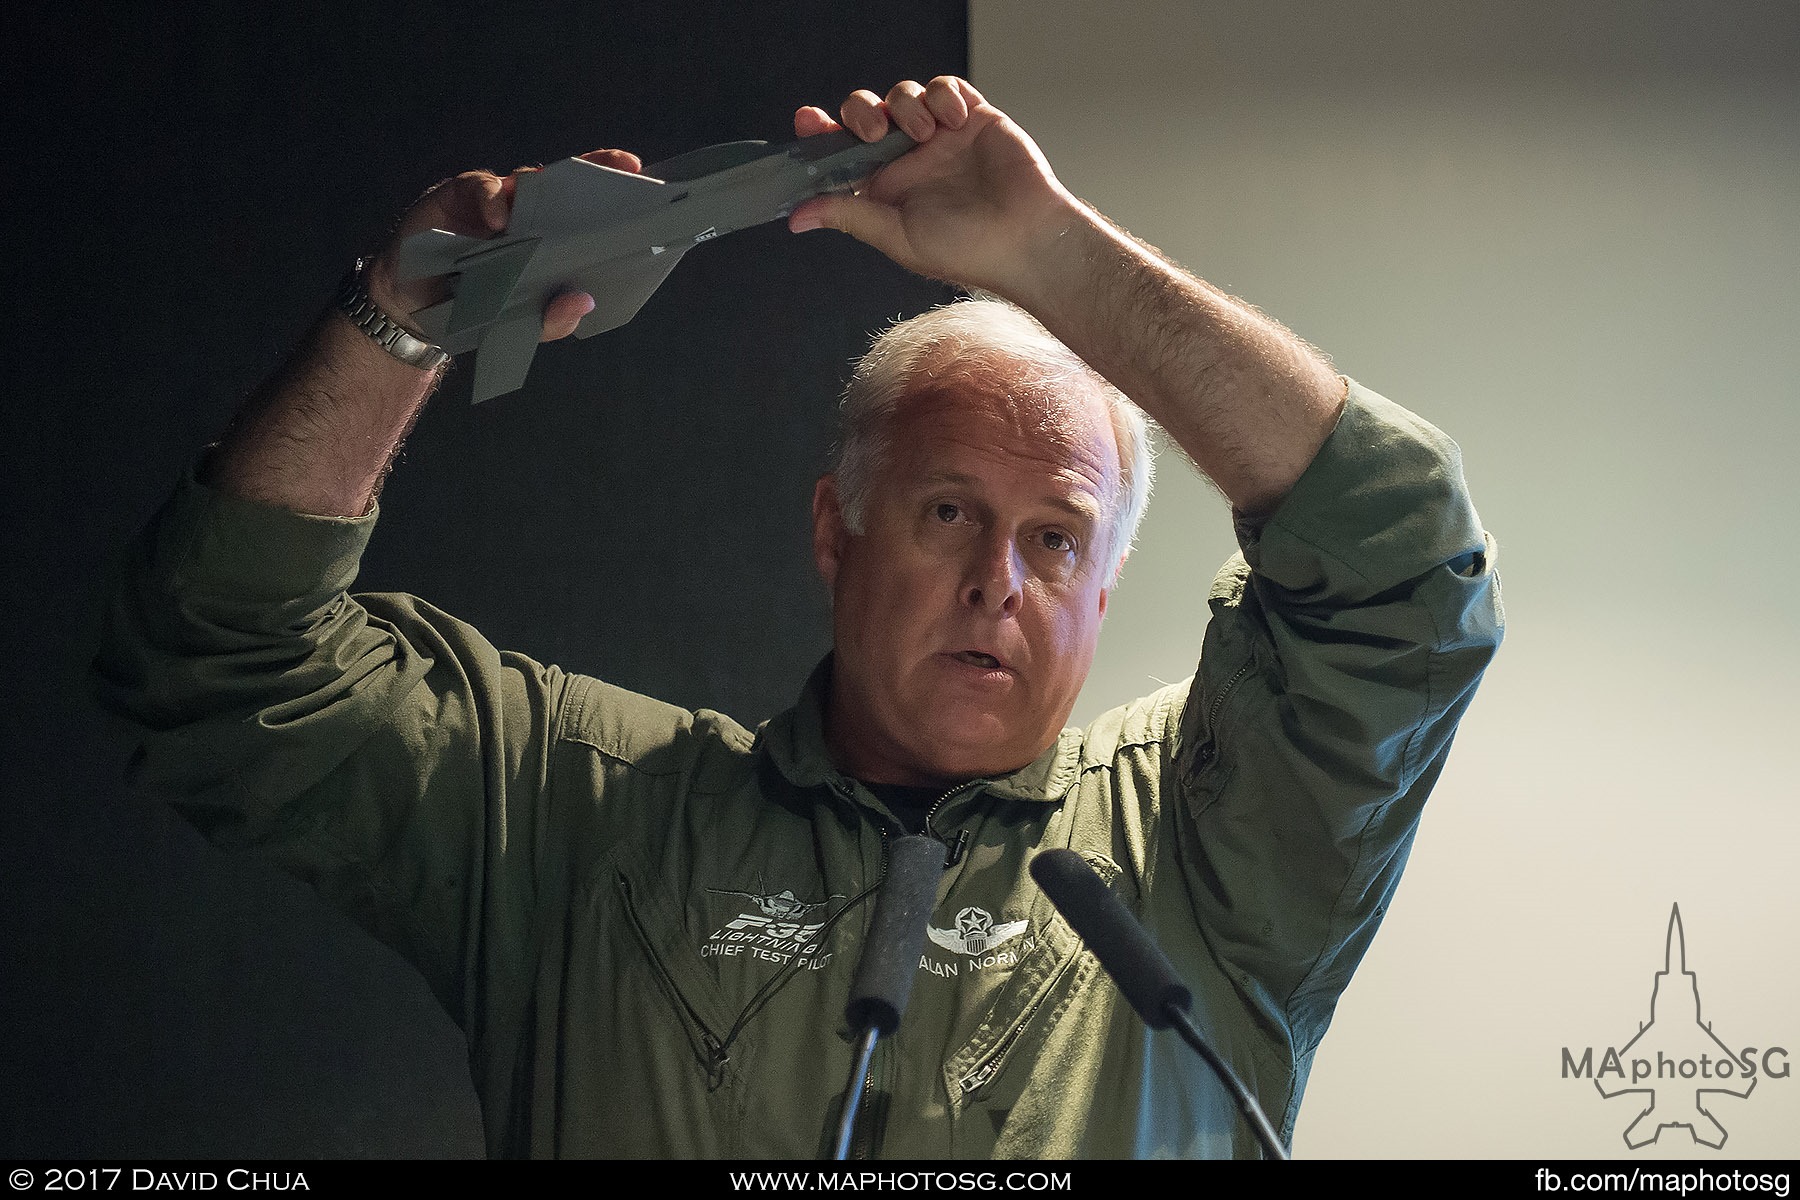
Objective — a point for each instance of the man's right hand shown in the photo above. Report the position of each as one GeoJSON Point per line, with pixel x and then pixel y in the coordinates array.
{"type": "Point", "coordinates": [319, 436]}
{"type": "Point", "coordinates": [476, 204]}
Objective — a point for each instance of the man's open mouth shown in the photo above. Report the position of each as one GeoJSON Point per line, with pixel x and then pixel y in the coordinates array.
{"type": "Point", "coordinates": [976, 658]}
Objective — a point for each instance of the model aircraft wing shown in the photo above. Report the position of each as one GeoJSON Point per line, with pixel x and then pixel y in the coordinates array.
{"type": "Point", "coordinates": [434, 252]}
{"type": "Point", "coordinates": [563, 198]}
{"type": "Point", "coordinates": [572, 193]}
{"type": "Point", "coordinates": [566, 194]}
{"type": "Point", "coordinates": [706, 160]}
{"type": "Point", "coordinates": [620, 288]}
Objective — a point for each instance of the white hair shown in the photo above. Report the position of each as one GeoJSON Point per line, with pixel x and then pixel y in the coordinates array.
{"type": "Point", "coordinates": [982, 333]}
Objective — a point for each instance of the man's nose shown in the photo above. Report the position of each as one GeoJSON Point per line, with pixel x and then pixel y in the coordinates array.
{"type": "Point", "coordinates": [996, 579]}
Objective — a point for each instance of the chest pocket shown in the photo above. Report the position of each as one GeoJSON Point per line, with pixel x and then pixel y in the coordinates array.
{"type": "Point", "coordinates": [622, 1059]}
{"type": "Point", "coordinates": [1025, 1010]}
{"type": "Point", "coordinates": [674, 961]}
{"type": "Point", "coordinates": [1027, 1004]}
{"type": "Point", "coordinates": [763, 1053]}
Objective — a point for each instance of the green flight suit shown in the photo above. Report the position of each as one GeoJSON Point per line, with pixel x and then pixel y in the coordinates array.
{"type": "Point", "coordinates": [646, 919]}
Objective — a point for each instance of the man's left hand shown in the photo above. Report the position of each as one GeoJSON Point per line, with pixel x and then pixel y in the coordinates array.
{"type": "Point", "coordinates": [971, 204]}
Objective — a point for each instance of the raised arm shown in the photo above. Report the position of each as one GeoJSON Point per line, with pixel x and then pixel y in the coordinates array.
{"type": "Point", "coordinates": [976, 204]}
{"type": "Point", "coordinates": [1345, 643]}
{"type": "Point", "coordinates": [319, 436]}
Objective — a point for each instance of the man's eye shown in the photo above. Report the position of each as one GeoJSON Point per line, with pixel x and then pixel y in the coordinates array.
{"type": "Point", "coordinates": [947, 513]}
{"type": "Point", "coordinates": [1055, 539]}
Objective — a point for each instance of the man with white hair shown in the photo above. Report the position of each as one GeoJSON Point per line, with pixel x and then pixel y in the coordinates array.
{"type": "Point", "coordinates": [645, 919]}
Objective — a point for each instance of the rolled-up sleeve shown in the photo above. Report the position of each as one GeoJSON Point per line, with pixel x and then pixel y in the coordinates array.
{"type": "Point", "coordinates": [1345, 644]}
{"type": "Point", "coordinates": [372, 745]}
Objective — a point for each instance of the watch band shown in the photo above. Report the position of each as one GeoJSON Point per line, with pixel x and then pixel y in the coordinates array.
{"type": "Point", "coordinates": [354, 302]}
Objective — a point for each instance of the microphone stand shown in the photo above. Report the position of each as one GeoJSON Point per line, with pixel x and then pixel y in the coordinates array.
{"type": "Point", "coordinates": [890, 960]}
{"type": "Point", "coordinates": [1141, 970]}
{"type": "Point", "coordinates": [1253, 1113]}
{"type": "Point", "coordinates": [859, 1075]}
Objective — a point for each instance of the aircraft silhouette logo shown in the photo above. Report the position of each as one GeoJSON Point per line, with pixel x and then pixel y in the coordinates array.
{"type": "Point", "coordinates": [1677, 1037]}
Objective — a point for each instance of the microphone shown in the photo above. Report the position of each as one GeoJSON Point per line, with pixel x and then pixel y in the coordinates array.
{"type": "Point", "coordinates": [890, 958]}
{"type": "Point", "coordinates": [1140, 969]}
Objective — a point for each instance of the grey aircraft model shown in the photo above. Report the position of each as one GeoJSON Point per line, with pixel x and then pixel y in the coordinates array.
{"type": "Point", "coordinates": [578, 226]}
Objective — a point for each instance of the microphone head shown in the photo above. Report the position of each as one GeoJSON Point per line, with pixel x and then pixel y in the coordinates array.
{"type": "Point", "coordinates": [890, 956]}
{"type": "Point", "coordinates": [1141, 970]}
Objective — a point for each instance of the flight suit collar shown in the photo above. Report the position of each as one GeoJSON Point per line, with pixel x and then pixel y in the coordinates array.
{"type": "Point", "coordinates": [795, 742]}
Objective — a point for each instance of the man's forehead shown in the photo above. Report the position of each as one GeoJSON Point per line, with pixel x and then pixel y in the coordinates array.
{"type": "Point", "coordinates": [1020, 399]}
{"type": "Point", "coordinates": [954, 427]}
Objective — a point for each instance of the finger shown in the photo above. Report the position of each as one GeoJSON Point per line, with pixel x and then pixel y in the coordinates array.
{"type": "Point", "coordinates": [812, 121]}
{"type": "Point", "coordinates": [858, 216]}
{"type": "Point", "coordinates": [564, 313]}
{"type": "Point", "coordinates": [948, 108]}
{"type": "Point", "coordinates": [863, 115]}
{"type": "Point", "coordinates": [463, 204]}
{"type": "Point", "coordinates": [618, 160]}
{"type": "Point", "coordinates": [906, 107]}
{"type": "Point", "coordinates": [971, 97]}
{"type": "Point", "coordinates": [489, 196]}
{"type": "Point", "coordinates": [806, 216]}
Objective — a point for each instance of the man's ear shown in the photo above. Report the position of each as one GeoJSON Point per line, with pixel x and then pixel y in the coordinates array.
{"type": "Point", "coordinates": [1118, 570]}
{"type": "Point", "coordinates": [829, 532]}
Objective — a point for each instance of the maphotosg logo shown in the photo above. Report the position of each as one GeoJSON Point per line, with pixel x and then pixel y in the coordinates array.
{"type": "Point", "coordinates": [1676, 1065]}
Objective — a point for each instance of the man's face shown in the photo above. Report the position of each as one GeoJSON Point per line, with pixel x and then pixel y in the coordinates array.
{"type": "Point", "coordinates": [967, 611]}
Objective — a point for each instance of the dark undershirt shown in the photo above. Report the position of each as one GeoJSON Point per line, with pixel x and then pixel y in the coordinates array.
{"type": "Point", "coordinates": [911, 804]}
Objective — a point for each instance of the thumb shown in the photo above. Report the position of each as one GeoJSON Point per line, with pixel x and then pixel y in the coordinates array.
{"type": "Point", "coordinates": [862, 218]}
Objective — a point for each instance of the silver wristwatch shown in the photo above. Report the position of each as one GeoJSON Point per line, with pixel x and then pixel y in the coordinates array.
{"type": "Point", "coordinates": [354, 302]}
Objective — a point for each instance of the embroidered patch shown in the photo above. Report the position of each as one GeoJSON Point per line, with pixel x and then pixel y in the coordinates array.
{"type": "Point", "coordinates": [773, 928]}
{"type": "Point", "coordinates": [975, 932]}
{"type": "Point", "coordinates": [982, 943]}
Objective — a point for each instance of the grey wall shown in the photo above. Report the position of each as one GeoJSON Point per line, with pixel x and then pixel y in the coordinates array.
{"type": "Point", "coordinates": [1569, 235]}
{"type": "Point", "coordinates": [193, 182]}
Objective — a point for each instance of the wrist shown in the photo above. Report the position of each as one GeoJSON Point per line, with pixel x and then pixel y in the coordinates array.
{"type": "Point", "coordinates": [360, 301]}
{"type": "Point", "coordinates": [1053, 255]}
{"type": "Point", "coordinates": [318, 437]}
{"type": "Point", "coordinates": [384, 288]}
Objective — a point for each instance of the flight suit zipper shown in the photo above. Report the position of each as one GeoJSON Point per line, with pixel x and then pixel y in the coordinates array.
{"type": "Point", "coordinates": [863, 1137]}
{"type": "Point", "coordinates": [988, 1067]}
{"type": "Point", "coordinates": [1211, 745]}
{"type": "Point", "coordinates": [990, 1064]}
{"type": "Point", "coordinates": [862, 1145]}
{"type": "Point", "coordinates": [717, 1055]}
{"type": "Point", "coordinates": [867, 1134]}
{"type": "Point", "coordinates": [955, 851]}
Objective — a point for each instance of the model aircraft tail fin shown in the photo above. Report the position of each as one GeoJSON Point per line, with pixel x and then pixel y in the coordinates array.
{"type": "Point", "coordinates": [488, 279]}
{"type": "Point", "coordinates": [434, 323]}
{"type": "Point", "coordinates": [507, 348]}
